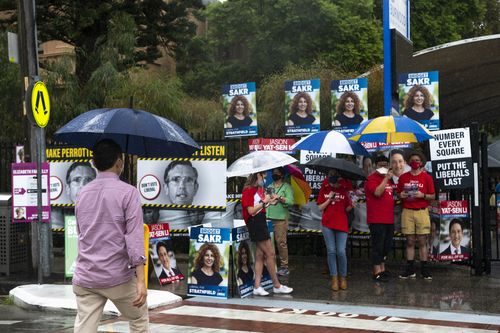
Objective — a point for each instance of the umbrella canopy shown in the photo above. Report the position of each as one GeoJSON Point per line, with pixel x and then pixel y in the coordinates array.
{"type": "Point", "coordinates": [258, 161]}
{"type": "Point", "coordinates": [301, 188]}
{"type": "Point", "coordinates": [390, 129]}
{"type": "Point", "coordinates": [345, 168]}
{"type": "Point", "coordinates": [138, 133]}
{"type": "Point", "coordinates": [330, 142]}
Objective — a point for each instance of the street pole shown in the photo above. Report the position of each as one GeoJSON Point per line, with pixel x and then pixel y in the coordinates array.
{"type": "Point", "coordinates": [41, 233]}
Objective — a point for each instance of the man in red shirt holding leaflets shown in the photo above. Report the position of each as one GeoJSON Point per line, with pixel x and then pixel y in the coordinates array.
{"type": "Point", "coordinates": [380, 215]}
{"type": "Point", "coordinates": [334, 202]}
{"type": "Point", "coordinates": [416, 189]}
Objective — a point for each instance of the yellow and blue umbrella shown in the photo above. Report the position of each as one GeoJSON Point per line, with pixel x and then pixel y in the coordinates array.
{"type": "Point", "coordinates": [390, 129]}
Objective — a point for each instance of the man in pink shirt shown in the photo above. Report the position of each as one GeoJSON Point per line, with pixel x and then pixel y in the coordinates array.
{"type": "Point", "coordinates": [110, 262]}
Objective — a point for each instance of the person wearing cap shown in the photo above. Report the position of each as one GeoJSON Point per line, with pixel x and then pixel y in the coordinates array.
{"type": "Point", "coordinates": [416, 189]}
{"type": "Point", "coordinates": [380, 215]}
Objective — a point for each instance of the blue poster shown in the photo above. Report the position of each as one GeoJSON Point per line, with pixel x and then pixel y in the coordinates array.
{"type": "Point", "coordinates": [302, 114]}
{"type": "Point", "coordinates": [243, 261]}
{"type": "Point", "coordinates": [208, 266]}
{"type": "Point", "coordinates": [419, 98]}
{"type": "Point", "coordinates": [349, 104]}
{"type": "Point", "coordinates": [239, 105]}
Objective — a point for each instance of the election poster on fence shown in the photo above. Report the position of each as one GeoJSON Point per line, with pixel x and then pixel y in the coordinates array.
{"type": "Point", "coordinates": [349, 104]}
{"type": "Point", "coordinates": [450, 237]}
{"type": "Point", "coordinates": [419, 98]}
{"type": "Point", "coordinates": [162, 254]}
{"type": "Point", "coordinates": [239, 105]}
{"type": "Point", "coordinates": [208, 263]}
{"type": "Point", "coordinates": [302, 113]}
{"type": "Point", "coordinates": [25, 192]}
{"type": "Point", "coordinates": [197, 183]}
{"type": "Point", "coordinates": [451, 158]}
{"type": "Point", "coordinates": [243, 261]}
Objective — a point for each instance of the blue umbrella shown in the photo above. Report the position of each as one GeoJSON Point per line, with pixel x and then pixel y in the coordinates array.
{"type": "Point", "coordinates": [138, 133]}
{"type": "Point", "coordinates": [330, 142]}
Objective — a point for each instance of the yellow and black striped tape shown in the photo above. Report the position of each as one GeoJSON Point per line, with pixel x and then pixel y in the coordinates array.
{"type": "Point", "coordinates": [58, 229]}
{"type": "Point", "coordinates": [181, 159]}
{"type": "Point", "coordinates": [70, 160]}
{"type": "Point", "coordinates": [233, 200]}
{"type": "Point", "coordinates": [185, 206]}
{"type": "Point", "coordinates": [63, 205]}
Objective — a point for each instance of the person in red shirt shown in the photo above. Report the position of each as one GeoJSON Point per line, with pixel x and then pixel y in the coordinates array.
{"type": "Point", "coordinates": [416, 189]}
{"type": "Point", "coordinates": [254, 202]}
{"type": "Point", "coordinates": [380, 215]}
{"type": "Point", "coordinates": [334, 202]}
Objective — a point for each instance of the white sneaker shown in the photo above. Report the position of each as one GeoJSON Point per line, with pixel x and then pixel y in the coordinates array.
{"type": "Point", "coordinates": [260, 292]}
{"type": "Point", "coordinates": [282, 290]}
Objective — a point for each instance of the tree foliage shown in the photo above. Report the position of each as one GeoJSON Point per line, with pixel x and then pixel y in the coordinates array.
{"type": "Point", "coordinates": [248, 40]}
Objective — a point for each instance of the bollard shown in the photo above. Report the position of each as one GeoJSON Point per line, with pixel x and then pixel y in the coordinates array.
{"type": "Point", "coordinates": [146, 254]}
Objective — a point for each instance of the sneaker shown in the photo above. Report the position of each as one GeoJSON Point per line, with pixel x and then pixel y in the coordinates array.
{"type": "Point", "coordinates": [282, 290]}
{"type": "Point", "coordinates": [426, 275]}
{"type": "Point", "coordinates": [260, 292]}
{"type": "Point", "coordinates": [408, 273]}
{"type": "Point", "coordinates": [380, 277]}
{"type": "Point", "coordinates": [283, 271]}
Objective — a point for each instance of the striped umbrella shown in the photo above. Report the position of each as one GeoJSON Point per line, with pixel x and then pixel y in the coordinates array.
{"type": "Point", "coordinates": [390, 129]}
{"type": "Point", "coordinates": [330, 142]}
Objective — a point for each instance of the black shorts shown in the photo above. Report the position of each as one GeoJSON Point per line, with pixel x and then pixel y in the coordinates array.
{"type": "Point", "coordinates": [257, 228]}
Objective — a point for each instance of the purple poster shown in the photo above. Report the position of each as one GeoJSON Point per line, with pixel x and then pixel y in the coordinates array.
{"type": "Point", "coordinates": [24, 192]}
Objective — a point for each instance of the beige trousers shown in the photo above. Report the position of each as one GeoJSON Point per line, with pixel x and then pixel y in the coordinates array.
{"type": "Point", "coordinates": [280, 235]}
{"type": "Point", "coordinates": [90, 303]}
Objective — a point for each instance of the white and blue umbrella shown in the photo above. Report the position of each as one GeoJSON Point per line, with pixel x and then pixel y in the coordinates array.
{"type": "Point", "coordinates": [258, 161]}
{"type": "Point", "coordinates": [332, 142]}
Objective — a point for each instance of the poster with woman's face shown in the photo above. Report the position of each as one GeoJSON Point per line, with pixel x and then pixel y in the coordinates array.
{"type": "Point", "coordinates": [349, 104]}
{"type": "Point", "coordinates": [419, 98]}
{"type": "Point", "coordinates": [302, 114]}
{"type": "Point", "coordinates": [208, 263]}
{"type": "Point", "coordinates": [239, 106]}
{"type": "Point", "coordinates": [243, 261]}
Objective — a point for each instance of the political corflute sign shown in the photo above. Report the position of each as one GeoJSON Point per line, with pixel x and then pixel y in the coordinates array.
{"type": "Point", "coordinates": [419, 98]}
{"type": "Point", "coordinates": [349, 104]}
{"type": "Point", "coordinates": [209, 262]}
{"type": "Point", "coordinates": [302, 107]}
{"type": "Point", "coordinates": [243, 261]}
{"type": "Point", "coordinates": [451, 158]}
{"type": "Point", "coordinates": [238, 103]}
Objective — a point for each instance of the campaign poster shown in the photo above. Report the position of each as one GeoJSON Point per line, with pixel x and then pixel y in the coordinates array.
{"type": "Point", "coordinates": [208, 264]}
{"type": "Point", "coordinates": [349, 104]}
{"type": "Point", "coordinates": [419, 98]}
{"type": "Point", "coordinates": [451, 158]}
{"type": "Point", "coordinates": [70, 245]}
{"type": "Point", "coordinates": [450, 237]}
{"type": "Point", "coordinates": [283, 145]}
{"type": "Point", "coordinates": [70, 170]}
{"type": "Point", "coordinates": [302, 114]}
{"type": "Point", "coordinates": [239, 105]}
{"type": "Point", "coordinates": [162, 254]}
{"type": "Point", "coordinates": [67, 179]}
{"type": "Point", "coordinates": [243, 261]}
{"type": "Point", "coordinates": [196, 183]}
{"type": "Point", "coordinates": [25, 192]}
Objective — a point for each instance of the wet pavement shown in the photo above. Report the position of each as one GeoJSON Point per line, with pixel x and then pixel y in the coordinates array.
{"type": "Point", "coordinates": [454, 297]}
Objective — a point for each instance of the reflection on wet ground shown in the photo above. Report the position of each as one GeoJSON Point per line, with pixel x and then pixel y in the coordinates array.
{"type": "Point", "coordinates": [452, 288]}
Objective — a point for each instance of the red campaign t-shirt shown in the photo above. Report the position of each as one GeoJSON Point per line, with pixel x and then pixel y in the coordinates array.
{"type": "Point", "coordinates": [334, 215]}
{"type": "Point", "coordinates": [345, 183]}
{"type": "Point", "coordinates": [379, 209]}
{"type": "Point", "coordinates": [425, 184]}
{"type": "Point", "coordinates": [250, 197]}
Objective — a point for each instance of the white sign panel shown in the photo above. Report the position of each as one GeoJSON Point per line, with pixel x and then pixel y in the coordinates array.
{"type": "Point", "coordinates": [450, 144]}
{"type": "Point", "coordinates": [399, 16]}
{"type": "Point", "coordinates": [308, 155]}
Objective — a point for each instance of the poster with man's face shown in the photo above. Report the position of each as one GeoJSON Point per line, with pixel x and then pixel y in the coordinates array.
{"type": "Point", "coordinates": [182, 184]}
{"type": "Point", "coordinates": [67, 179]}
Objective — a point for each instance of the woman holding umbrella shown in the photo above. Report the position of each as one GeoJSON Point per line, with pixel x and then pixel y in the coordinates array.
{"type": "Point", "coordinates": [335, 203]}
{"type": "Point", "coordinates": [254, 202]}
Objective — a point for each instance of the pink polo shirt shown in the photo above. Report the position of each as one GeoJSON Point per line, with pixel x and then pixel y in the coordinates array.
{"type": "Point", "coordinates": [110, 232]}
